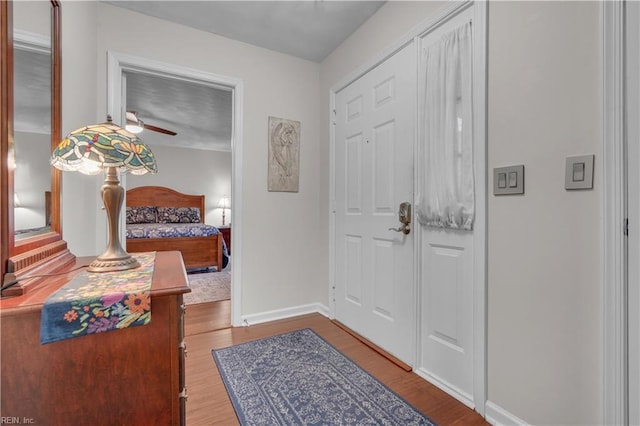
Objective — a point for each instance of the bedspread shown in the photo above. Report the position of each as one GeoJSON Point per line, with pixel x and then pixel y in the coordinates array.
{"type": "Point", "coordinates": [176, 230]}
{"type": "Point", "coordinates": [170, 230]}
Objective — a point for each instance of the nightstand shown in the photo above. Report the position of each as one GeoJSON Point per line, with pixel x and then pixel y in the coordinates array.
{"type": "Point", "coordinates": [226, 234]}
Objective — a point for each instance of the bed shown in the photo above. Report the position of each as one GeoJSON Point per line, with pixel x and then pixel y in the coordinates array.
{"type": "Point", "coordinates": [161, 219]}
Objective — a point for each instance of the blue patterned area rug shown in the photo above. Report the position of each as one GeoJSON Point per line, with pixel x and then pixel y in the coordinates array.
{"type": "Point", "coordinates": [298, 378]}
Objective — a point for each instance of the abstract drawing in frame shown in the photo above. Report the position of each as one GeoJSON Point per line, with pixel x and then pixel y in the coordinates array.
{"type": "Point", "coordinates": [284, 155]}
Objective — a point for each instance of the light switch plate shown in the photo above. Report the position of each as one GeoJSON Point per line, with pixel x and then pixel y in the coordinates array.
{"type": "Point", "coordinates": [508, 180]}
{"type": "Point", "coordinates": [579, 172]}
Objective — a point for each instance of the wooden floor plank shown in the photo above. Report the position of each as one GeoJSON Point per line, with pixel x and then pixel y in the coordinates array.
{"type": "Point", "coordinates": [206, 317]}
{"type": "Point", "coordinates": [209, 403]}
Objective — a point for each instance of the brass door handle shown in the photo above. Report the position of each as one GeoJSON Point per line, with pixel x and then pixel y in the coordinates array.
{"type": "Point", "coordinates": [404, 228]}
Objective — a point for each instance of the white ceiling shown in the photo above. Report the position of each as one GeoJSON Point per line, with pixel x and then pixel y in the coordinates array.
{"type": "Point", "coordinates": [202, 115]}
{"type": "Point", "coordinates": [309, 29]}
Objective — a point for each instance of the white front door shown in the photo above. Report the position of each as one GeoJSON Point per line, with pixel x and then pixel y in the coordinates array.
{"type": "Point", "coordinates": [447, 289]}
{"type": "Point", "coordinates": [374, 139]}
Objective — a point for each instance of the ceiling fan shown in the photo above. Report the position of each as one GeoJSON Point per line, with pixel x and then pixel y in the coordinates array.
{"type": "Point", "coordinates": [135, 125]}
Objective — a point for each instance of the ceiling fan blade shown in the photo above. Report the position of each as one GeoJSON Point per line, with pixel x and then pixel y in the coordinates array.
{"type": "Point", "coordinates": [132, 116]}
{"type": "Point", "coordinates": [159, 129]}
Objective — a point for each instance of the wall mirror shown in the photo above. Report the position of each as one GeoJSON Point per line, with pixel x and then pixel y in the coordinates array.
{"type": "Point", "coordinates": [31, 119]}
{"type": "Point", "coordinates": [31, 200]}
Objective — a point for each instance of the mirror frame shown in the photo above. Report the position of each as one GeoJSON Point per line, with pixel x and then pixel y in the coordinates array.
{"type": "Point", "coordinates": [48, 252]}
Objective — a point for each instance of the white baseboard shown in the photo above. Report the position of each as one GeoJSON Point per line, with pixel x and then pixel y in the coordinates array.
{"type": "Point", "coordinates": [498, 416]}
{"type": "Point", "coordinates": [458, 394]}
{"type": "Point", "coordinates": [278, 314]}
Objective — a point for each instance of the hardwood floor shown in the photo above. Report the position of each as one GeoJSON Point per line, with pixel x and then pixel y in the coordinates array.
{"type": "Point", "coordinates": [206, 317]}
{"type": "Point", "coordinates": [209, 403]}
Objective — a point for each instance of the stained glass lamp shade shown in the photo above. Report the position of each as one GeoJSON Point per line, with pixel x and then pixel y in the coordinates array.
{"type": "Point", "coordinates": [108, 147]}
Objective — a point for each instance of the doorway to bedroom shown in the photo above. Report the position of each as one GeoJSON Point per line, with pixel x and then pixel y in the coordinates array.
{"type": "Point", "coordinates": [188, 119]}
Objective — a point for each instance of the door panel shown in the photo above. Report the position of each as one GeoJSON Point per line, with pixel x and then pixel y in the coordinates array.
{"type": "Point", "coordinates": [384, 168]}
{"type": "Point", "coordinates": [374, 134]}
{"type": "Point", "coordinates": [446, 355]}
{"type": "Point", "coordinates": [447, 308]}
{"type": "Point", "coordinates": [383, 294]}
{"type": "Point", "coordinates": [353, 165]}
{"type": "Point", "coordinates": [353, 266]}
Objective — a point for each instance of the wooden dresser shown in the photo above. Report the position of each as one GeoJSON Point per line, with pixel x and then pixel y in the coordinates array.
{"type": "Point", "coordinates": [133, 376]}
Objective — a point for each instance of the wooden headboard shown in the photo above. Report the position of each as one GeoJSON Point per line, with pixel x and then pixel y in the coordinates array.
{"type": "Point", "coordinates": [163, 197]}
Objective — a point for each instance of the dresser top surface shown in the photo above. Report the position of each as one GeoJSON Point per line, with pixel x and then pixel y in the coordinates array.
{"type": "Point", "coordinates": [169, 277]}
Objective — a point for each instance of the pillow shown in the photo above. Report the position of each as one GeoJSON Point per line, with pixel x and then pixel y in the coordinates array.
{"type": "Point", "coordinates": [145, 214]}
{"type": "Point", "coordinates": [178, 215]}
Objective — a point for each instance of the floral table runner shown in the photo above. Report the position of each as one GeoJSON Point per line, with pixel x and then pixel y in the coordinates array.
{"type": "Point", "coordinates": [98, 302]}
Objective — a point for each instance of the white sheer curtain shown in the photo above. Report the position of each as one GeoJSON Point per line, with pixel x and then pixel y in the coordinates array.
{"type": "Point", "coordinates": [445, 196]}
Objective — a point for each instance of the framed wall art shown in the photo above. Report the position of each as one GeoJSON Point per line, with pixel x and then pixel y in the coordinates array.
{"type": "Point", "coordinates": [284, 155]}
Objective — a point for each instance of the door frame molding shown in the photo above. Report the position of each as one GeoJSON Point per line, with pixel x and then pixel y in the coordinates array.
{"type": "Point", "coordinates": [613, 210]}
{"type": "Point", "coordinates": [117, 63]}
{"type": "Point", "coordinates": [632, 145]}
{"type": "Point", "coordinates": [480, 146]}
{"type": "Point", "coordinates": [480, 232]}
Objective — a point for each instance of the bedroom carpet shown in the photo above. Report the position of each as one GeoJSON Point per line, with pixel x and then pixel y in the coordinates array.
{"type": "Point", "coordinates": [208, 287]}
{"type": "Point", "coordinates": [298, 378]}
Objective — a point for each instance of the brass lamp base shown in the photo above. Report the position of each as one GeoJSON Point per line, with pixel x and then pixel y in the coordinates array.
{"type": "Point", "coordinates": [112, 265]}
{"type": "Point", "coordinates": [115, 258]}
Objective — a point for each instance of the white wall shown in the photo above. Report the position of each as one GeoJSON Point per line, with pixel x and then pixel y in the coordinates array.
{"type": "Point", "coordinates": [32, 16]}
{"type": "Point", "coordinates": [544, 337]}
{"type": "Point", "coordinates": [81, 204]}
{"type": "Point", "coordinates": [390, 23]}
{"type": "Point", "coordinates": [192, 171]}
{"type": "Point", "coordinates": [282, 264]}
{"type": "Point", "coordinates": [32, 177]}
{"type": "Point", "coordinates": [544, 290]}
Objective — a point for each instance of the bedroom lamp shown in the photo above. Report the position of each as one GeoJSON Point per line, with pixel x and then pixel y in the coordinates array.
{"type": "Point", "coordinates": [224, 204]}
{"type": "Point", "coordinates": [107, 147]}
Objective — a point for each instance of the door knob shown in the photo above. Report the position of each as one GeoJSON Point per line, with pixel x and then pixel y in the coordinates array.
{"type": "Point", "coordinates": [404, 228]}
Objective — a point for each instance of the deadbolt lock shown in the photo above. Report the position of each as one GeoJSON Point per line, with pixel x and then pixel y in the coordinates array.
{"type": "Point", "coordinates": [404, 216]}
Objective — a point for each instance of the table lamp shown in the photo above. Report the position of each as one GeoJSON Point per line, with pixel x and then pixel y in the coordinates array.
{"type": "Point", "coordinates": [224, 204]}
{"type": "Point", "coordinates": [107, 147]}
